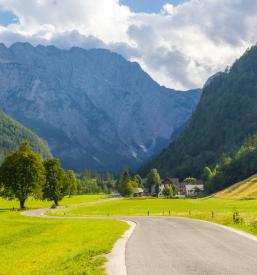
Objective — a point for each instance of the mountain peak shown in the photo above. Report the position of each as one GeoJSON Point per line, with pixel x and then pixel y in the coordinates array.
{"type": "Point", "coordinates": [95, 108]}
{"type": "Point", "coordinates": [21, 45]}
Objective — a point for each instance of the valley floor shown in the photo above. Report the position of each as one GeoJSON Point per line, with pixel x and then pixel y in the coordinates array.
{"type": "Point", "coordinates": [211, 209]}
{"type": "Point", "coordinates": [31, 245]}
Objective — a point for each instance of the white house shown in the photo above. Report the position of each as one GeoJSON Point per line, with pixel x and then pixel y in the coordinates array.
{"type": "Point", "coordinates": [167, 181]}
{"type": "Point", "coordinates": [193, 190]}
{"type": "Point", "coordinates": [139, 192]}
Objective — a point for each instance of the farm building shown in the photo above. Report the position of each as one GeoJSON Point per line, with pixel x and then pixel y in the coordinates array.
{"type": "Point", "coordinates": [194, 190]}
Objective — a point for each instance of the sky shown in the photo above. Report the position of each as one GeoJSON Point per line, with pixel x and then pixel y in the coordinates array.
{"type": "Point", "coordinates": [180, 43]}
{"type": "Point", "coordinates": [7, 17]}
{"type": "Point", "coordinates": [148, 6]}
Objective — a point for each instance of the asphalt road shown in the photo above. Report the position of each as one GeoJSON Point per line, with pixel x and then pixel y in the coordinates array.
{"type": "Point", "coordinates": [176, 246]}
{"type": "Point", "coordinates": [179, 246]}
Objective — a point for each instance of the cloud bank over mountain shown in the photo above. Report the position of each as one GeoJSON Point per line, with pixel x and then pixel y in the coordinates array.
{"type": "Point", "coordinates": [180, 47]}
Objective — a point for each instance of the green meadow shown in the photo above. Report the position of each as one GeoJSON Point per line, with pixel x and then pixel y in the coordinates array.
{"type": "Point", "coordinates": [31, 245]}
{"type": "Point", "coordinates": [33, 203]}
{"type": "Point", "coordinates": [211, 209]}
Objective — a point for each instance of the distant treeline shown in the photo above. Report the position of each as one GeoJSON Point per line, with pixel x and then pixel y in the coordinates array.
{"type": "Point", "coordinates": [91, 182]}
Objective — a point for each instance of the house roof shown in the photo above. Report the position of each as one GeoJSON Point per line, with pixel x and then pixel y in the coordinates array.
{"type": "Point", "coordinates": [170, 181]}
{"type": "Point", "coordinates": [139, 190]}
{"type": "Point", "coordinates": [191, 187]}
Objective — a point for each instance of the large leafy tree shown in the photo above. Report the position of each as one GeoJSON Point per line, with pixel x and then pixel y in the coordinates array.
{"type": "Point", "coordinates": [153, 179]}
{"type": "Point", "coordinates": [123, 182]}
{"type": "Point", "coordinates": [137, 178]}
{"type": "Point", "coordinates": [22, 174]}
{"type": "Point", "coordinates": [157, 188]}
{"type": "Point", "coordinates": [54, 189]}
{"type": "Point", "coordinates": [126, 185]}
{"type": "Point", "coordinates": [190, 180]}
{"type": "Point", "coordinates": [70, 183]}
{"type": "Point", "coordinates": [167, 191]}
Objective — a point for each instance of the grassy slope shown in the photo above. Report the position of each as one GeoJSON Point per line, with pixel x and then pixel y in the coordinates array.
{"type": "Point", "coordinates": [246, 189]}
{"type": "Point", "coordinates": [49, 246]}
{"type": "Point", "coordinates": [193, 208]}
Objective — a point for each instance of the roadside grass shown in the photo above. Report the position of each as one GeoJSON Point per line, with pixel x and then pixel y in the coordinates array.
{"type": "Point", "coordinates": [55, 246]}
{"type": "Point", "coordinates": [246, 189]}
{"type": "Point", "coordinates": [31, 245]}
{"type": "Point", "coordinates": [33, 203]}
{"type": "Point", "coordinates": [78, 246]}
{"type": "Point", "coordinates": [211, 209]}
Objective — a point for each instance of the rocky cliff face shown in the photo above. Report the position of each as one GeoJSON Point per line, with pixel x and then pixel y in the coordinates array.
{"type": "Point", "coordinates": [95, 109]}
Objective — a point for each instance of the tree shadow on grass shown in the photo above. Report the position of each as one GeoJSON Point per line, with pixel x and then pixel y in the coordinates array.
{"type": "Point", "coordinates": [4, 210]}
{"type": "Point", "coordinates": [9, 210]}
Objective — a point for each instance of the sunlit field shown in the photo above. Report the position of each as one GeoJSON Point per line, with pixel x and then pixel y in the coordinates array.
{"type": "Point", "coordinates": [31, 245]}
{"type": "Point", "coordinates": [246, 189]}
{"type": "Point", "coordinates": [211, 209]}
{"type": "Point", "coordinates": [33, 203]}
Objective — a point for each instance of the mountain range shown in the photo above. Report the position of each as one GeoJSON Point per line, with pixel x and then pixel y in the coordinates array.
{"type": "Point", "coordinates": [95, 109]}
{"type": "Point", "coordinates": [225, 117]}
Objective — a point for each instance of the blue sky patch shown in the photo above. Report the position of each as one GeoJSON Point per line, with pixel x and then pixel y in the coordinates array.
{"type": "Point", "coordinates": [7, 18]}
{"type": "Point", "coordinates": [149, 6]}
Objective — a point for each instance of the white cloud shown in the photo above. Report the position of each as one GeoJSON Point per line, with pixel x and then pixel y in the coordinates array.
{"type": "Point", "coordinates": [180, 47]}
{"type": "Point", "coordinates": [106, 20]}
{"type": "Point", "coordinates": [168, 8]}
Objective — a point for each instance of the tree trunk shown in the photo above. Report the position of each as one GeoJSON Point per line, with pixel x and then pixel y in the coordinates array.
{"type": "Point", "coordinates": [22, 204]}
{"type": "Point", "coordinates": [56, 202]}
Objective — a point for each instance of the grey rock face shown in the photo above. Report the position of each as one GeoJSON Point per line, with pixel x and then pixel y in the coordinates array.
{"type": "Point", "coordinates": [95, 109]}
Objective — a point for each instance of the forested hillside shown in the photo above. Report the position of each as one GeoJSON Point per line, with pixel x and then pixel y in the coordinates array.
{"type": "Point", "coordinates": [234, 168]}
{"type": "Point", "coordinates": [224, 118]}
{"type": "Point", "coordinates": [13, 133]}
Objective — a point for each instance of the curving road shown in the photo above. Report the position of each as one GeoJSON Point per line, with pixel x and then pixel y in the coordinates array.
{"type": "Point", "coordinates": [179, 246]}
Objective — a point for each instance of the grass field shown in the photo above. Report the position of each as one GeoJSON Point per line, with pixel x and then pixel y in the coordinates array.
{"type": "Point", "coordinates": [73, 246]}
{"type": "Point", "coordinates": [33, 203]}
{"type": "Point", "coordinates": [53, 246]}
{"type": "Point", "coordinates": [246, 189]}
{"type": "Point", "coordinates": [211, 209]}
